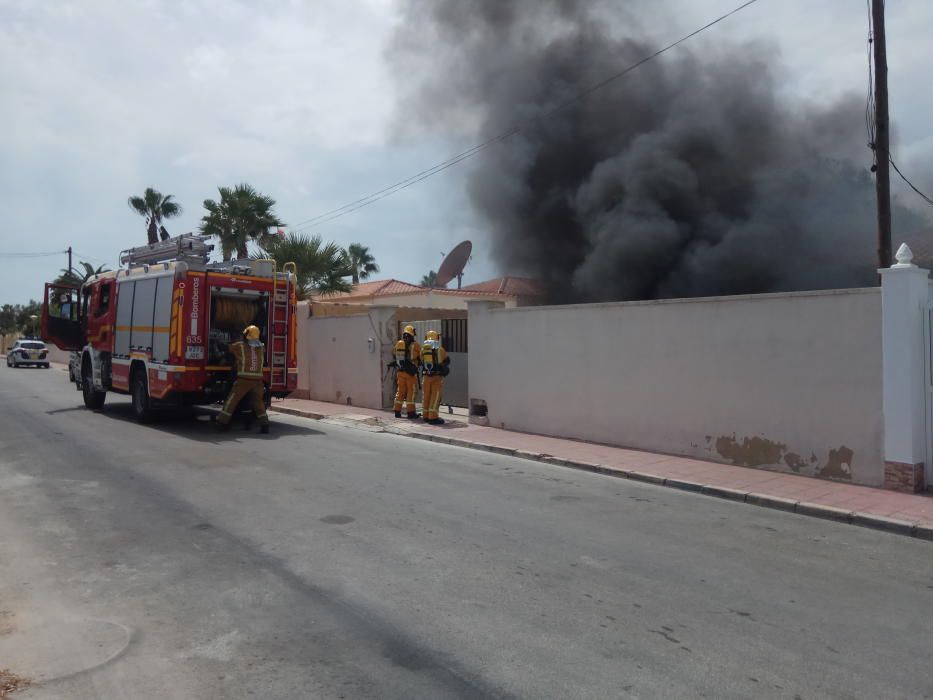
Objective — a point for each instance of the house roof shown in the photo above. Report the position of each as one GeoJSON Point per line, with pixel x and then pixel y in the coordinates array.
{"type": "Point", "coordinates": [511, 286]}
{"type": "Point", "coordinates": [378, 288]}
{"type": "Point", "coordinates": [385, 288]}
{"type": "Point", "coordinates": [501, 286]}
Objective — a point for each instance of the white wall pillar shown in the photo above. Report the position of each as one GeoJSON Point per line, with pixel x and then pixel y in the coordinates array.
{"type": "Point", "coordinates": [904, 298]}
{"type": "Point", "coordinates": [482, 352]}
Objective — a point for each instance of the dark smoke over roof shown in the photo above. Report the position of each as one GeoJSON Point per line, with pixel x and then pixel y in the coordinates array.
{"type": "Point", "coordinates": [691, 176]}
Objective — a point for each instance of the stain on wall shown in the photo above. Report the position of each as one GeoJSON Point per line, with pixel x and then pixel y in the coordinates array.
{"type": "Point", "coordinates": [794, 461]}
{"type": "Point", "coordinates": [839, 464]}
{"type": "Point", "coordinates": [751, 452]}
{"type": "Point", "coordinates": [758, 452]}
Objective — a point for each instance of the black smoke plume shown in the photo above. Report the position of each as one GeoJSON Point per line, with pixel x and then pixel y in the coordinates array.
{"type": "Point", "coordinates": [691, 176]}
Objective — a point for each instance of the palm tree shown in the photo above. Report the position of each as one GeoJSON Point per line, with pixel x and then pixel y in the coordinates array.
{"type": "Point", "coordinates": [242, 215]}
{"type": "Point", "coordinates": [429, 280]}
{"type": "Point", "coordinates": [77, 278]}
{"type": "Point", "coordinates": [362, 263]}
{"type": "Point", "coordinates": [154, 207]}
{"type": "Point", "coordinates": [321, 266]}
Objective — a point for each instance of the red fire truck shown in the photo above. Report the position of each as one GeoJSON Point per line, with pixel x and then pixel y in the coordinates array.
{"type": "Point", "coordinates": [158, 328]}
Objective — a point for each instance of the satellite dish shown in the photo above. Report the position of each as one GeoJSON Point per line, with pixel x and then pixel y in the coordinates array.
{"type": "Point", "coordinates": [453, 264]}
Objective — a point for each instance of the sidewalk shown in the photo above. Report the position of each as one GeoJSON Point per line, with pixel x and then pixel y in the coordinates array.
{"type": "Point", "coordinates": [905, 514]}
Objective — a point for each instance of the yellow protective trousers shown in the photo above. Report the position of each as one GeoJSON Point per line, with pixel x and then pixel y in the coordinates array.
{"type": "Point", "coordinates": [432, 384]}
{"type": "Point", "coordinates": [241, 389]}
{"type": "Point", "coordinates": [405, 394]}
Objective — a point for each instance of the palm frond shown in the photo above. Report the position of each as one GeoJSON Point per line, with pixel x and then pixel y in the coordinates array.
{"type": "Point", "coordinates": [240, 216]}
{"type": "Point", "coordinates": [138, 204]}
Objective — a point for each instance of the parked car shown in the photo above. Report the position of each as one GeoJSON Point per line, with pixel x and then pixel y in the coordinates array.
{"type": "Point", "coordinates": [28, 352]}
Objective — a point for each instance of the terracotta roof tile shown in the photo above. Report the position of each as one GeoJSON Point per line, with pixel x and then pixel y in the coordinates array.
{"type": "Point", "coordinates": [508, 286]}
{"type": "Point", "coordinates": [512, 286]}
{"type": "Point", "coordinates": [375, 288]}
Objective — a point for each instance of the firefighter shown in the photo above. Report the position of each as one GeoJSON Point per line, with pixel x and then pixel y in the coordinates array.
{"type": "Point", "coordinates": [407, 359]}
{"type": "Point", "coordinates": [435, 366]}
{"type": "Point", "coordinates": [248, 354]}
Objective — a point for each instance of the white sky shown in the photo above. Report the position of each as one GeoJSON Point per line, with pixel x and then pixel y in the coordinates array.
{"type": "Point", "coordinates": [101, 98]}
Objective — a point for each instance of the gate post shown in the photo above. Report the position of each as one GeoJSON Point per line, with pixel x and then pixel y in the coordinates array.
{"type": "Point", "coordinates": [482, 357]}
{"type": "Point", "coordinates": [904, 300]}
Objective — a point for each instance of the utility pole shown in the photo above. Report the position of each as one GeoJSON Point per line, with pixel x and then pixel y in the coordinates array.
{"type": "Point", "coordinates": [882, 134]}
{"type": "Point", "coordinates": [69, 259]}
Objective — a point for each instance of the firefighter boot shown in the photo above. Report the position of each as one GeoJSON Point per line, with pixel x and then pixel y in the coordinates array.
{"type": "Point", "coordinates": [398, 414]}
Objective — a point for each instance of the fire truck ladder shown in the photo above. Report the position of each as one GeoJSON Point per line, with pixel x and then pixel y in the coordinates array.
{"type": "Point", "coordinates": [188, 247]}
{"type": "Point", "coordinates": [279, 327]}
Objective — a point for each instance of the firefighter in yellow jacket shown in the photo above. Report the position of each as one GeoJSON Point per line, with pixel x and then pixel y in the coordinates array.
{"type": "Point", "coordinates": [406, 361]}
{"type": "Point", "coordinates": [435, 365]}
{"type": "Point", "coordinates": [249, 354]}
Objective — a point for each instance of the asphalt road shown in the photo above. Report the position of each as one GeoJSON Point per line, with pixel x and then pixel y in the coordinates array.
{"type": "Point", "coordinates": [323, 561]}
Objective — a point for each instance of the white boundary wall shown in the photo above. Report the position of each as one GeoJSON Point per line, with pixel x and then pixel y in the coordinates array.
{"type": "Point", "coordinates": [784, 381]}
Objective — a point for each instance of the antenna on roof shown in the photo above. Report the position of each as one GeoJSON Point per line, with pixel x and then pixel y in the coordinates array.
{"type": "Point", "coordinates": [453, 264]}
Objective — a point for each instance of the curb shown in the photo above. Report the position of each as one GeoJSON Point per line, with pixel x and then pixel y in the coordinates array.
{"type": "Point", "coordinates": [922, 531]}
{"type": "Point", "coordinates": [297, 412]}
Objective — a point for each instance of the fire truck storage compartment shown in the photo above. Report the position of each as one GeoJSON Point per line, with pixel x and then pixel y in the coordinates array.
{"type": "Point", "coordinates": [231, 312]}
{"type": "Point", "coordinates": [144, 310]}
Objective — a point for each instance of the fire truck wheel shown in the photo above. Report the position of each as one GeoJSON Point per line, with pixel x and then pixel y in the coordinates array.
{"type": "Point", "coordinates": [93, 398]}
{"type": "Point", "coordinates": [142, 405]}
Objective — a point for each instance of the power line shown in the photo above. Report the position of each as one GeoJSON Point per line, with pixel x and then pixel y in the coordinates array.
{"type": "Point", "coordinates": [320, 219]}
{"type": "Point", "coordinates": [32, 255]}
{"type": "Point", "coordinates": [909, 183]}
{"type": "Point", "coordinates": [91, 258]}
{"type": "Point", "coordinates": [870, 111]}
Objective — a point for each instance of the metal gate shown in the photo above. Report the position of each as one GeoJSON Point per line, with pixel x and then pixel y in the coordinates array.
{"type": "Point", "coordinates": [455, 339]}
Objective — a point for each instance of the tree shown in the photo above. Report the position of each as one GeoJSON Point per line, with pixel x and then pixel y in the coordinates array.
{"type": "Point", "coordinates": [362, 263]}
{"type": "Point", "coordinates": [155, 208]}
{"type": "Point", "coordinates": [17, 318]}
{"type": "Point", "coordinates": [24, 319]}
{"type": "Point", "coordinates": [8, 314]}
{"type": "Point", "coordinates": [242, 215]}
{"type": "Point", "coordinates": [321, 266]}
{"type": "Point", "coordinates": [429, 280]}
{"type": "Point", "coordinates": [77, 278]}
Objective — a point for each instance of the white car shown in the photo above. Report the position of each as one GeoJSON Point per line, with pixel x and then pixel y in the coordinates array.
{"type": "Point", "coordinates": [28, 352]}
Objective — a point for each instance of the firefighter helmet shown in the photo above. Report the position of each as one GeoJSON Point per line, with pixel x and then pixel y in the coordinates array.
{"type": "Point", "coordinates": [251, 333]}
{"type": "Point", "coordinates": [409, 330]}
{"type": "Point", "coordinates": [430, 335]}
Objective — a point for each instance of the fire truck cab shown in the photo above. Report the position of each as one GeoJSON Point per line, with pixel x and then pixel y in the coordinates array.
{"type": "Point", "coordinates": [158, 329]}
